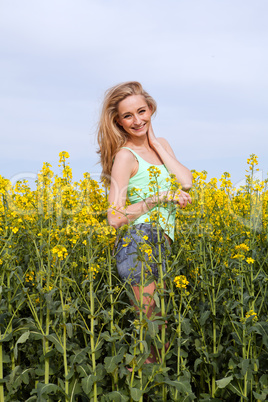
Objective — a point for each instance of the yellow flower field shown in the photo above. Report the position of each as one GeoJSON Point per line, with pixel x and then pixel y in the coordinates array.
{"type": "Point", "coordinates": [67, 329]}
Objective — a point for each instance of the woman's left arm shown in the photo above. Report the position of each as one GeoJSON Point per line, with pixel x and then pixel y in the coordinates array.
{"type": "Point", "coordinates": [164, 150]}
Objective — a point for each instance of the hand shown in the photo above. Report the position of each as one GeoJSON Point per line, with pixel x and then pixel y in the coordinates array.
{"type": "Point", "coordinates": [180, 198]}
{"type": "Point", "coordinates": [151, 136]}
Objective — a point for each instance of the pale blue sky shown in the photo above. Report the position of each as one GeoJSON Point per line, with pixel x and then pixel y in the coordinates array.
{"type": "Point", "coordinates": [204, 61]}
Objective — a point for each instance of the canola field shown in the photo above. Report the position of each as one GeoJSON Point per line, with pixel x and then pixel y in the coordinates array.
{"type": "Point", "coordinates": [68, 331]}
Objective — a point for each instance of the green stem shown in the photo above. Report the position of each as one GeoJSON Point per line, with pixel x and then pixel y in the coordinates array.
{"type": "Point", "coordinates": [65, 360]}
{"type": "Point", "coordinates": [163, 310]}
{"type": "Point", "coordinates": [13, 364]}
{"type": "Point", "coordinates": [1, 373]}
{"type": "Point", "coordinates": [244, 352]}
{"type": "Point", "coordinates": [179, 345]}
{"type": "Point", "coordinates": [112, 327]}
{"type": "Point", "coordinates": [213, 307]}
{"type": "Point", "coordinates": [47, 348]}
{"type": "Point", "coordinates": [141, 323]}
{"type": "Point", "coordinates": [92, 341]}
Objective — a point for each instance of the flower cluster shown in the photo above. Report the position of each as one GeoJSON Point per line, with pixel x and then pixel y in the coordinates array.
{"type": "Point", "coordinates": [252, 314]}
{"type": "Point", "coordinates": [60, 251]}
{"type": "Point", "coordinates": [181, 282]}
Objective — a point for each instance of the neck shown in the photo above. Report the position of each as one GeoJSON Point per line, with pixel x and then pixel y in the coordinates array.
{"type": "Point", "coordinates": [138, 143]}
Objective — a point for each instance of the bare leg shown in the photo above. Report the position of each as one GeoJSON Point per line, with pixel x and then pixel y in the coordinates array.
{"type": "Point", "coordinates": [148, 308]}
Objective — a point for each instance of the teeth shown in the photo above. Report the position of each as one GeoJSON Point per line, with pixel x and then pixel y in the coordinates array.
{"type": "Point", "coordinates": [138, 128]}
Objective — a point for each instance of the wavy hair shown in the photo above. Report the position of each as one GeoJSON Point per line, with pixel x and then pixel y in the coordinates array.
{"type": "Point", "coordinates": [111, 136]}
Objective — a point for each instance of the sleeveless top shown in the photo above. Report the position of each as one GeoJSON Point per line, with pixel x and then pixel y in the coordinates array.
{"type": "Point", "coordinates": [148, 181]}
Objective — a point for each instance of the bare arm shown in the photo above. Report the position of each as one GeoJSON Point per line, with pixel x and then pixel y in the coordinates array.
{"type": "Point", "coordinates": [118, 213]}
{"type": "Point", "coordinates": [164, 150]}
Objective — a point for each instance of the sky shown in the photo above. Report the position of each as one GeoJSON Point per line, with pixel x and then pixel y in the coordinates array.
{"type": "Point", "coordinates": [204, 62]}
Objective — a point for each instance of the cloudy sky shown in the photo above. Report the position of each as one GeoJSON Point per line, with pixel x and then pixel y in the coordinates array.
{"type": "Point", "coordinates": [204, 61]}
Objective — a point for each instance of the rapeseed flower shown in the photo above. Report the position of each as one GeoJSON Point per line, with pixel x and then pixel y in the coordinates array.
{"type": "Point", "coordinates": [145, 248]}
{"type": "Point", "coordinates": [251, 314]}
{"type": "Point", "coordinates": [60, 251]}
{"type": "Point", "coordinates": [181, 282]}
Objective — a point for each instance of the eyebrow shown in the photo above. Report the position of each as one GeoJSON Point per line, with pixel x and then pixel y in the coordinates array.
{"type": "Point", "coordinates": [142, 107]}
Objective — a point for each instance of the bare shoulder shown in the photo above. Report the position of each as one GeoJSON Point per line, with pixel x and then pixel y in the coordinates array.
{"type": "Point", "coordinates": [124, 164]}
{"type": "Point", "coordinates": [124, 156]}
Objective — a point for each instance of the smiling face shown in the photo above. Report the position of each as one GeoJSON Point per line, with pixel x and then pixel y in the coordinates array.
{"type": "Point", "coordinates": [134, 115]}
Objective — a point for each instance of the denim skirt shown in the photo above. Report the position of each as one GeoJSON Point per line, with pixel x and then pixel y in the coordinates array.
{"type": "Point", "coordinates": [137, 251]}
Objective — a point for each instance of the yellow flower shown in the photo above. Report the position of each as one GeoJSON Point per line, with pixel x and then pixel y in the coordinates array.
{"type": "Point", "coordinates": [181, 282]}
{"type": "Point", "coordinates": [250, 260]}
{"type": "Point", "coordinates": [145, 248]}
{"type": "Point", "coordinates": [127, 241]}
{"type": "Point", "coordinates": [60, 251]}
{"type": "Point", "coordinates": [251, 313]}
{"type": "Point", "coordinates": [63, 155]}
{"type": "Point", "coordinates": [93, 269]}
{"type": "Point", "coordinates": [238, 256]}
{"type": "Point", "coordinates": [242, 247]}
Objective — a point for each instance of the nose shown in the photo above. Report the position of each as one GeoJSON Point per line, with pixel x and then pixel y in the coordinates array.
{"type": "Point", "coordinates": [137, 119]}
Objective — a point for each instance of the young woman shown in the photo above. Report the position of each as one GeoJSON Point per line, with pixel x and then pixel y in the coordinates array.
{"type": "Point", "coordinates": [137, 166]}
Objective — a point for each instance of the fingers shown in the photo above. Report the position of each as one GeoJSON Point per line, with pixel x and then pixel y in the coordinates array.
{"type": "Point", "coordinates": [182, 199]}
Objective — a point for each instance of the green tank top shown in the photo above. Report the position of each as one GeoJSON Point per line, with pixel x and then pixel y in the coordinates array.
{"type": "Point", "coordinates": [150, 180]}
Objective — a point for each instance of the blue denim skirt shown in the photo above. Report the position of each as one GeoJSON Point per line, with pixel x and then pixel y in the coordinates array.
{"type": "Point", "coordinates": [137, 251]}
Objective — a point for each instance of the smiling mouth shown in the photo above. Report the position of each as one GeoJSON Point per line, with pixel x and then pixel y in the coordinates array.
{"type": "Point", "coordinates": [138, 128]}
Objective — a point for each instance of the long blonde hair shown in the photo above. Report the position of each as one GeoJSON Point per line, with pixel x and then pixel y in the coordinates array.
{"type": "Point", "coordinates": [112, 136]}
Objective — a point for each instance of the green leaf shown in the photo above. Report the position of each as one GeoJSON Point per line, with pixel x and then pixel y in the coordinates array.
{"type": "Point", "coordinates": [235, 389]}
{"type": "Point", "coordinates": [88, 382]}
{"type": "Point", "coordinates": [224, 381]}
{"type": "Point", "coordinates": [264, 380]}
{"type": "Point", "coordinates": [204, 317]}
{"type": "Point", "coordinates": [5, 357]}
{"type": "Point", "coordinates": [6, 338]}
{"type": "Point", "coordinates": [44, 390]}
{"type": "Point", "coordinates": [262, 329]}
{"type": "Point", "coordinates": [261, 397]}
{"type": "Point", "coordinates": [22, 339]}
{"type": "Point", "coordinates": [244, 366]}
{"type": "Point", "coordinates": [152, 328]}
{"type": "Point", "coordinates": [69, 329]}
{"type": "Point", "coordinates": [80, 355]}
{"type": "Point", "coordinates": [141, 359]}
{"type": "Point", "coordinates": [186, 326]}
{"type": "Point", "coordinates": [82, 370]}
{"type": "Point", "coordinates": [182, 386]}
{"type": "Point", "coordinates": [111, 363]}
{"type": "Point", "coordinates": [129, 358]}
{"type": "Point", "coordinates": [53, 338]}
{"type": "Point", "coordinates": [25, 375]}
{"type": "Point", "coordinates": [136, 393]}
{"type": "Point", "coordinates": [196, 363]}
{"type": "Point", "coordinates": [116, 396]}
{"type": "Point", "coordinates": [157, 300]}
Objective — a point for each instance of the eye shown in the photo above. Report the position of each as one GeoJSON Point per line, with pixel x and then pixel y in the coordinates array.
{"type": "Point", "coordinates": [127, 116]}
{"type": "Point", "coordinates": [142, 111]}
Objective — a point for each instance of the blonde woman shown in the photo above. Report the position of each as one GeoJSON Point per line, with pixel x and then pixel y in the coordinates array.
{"type": "Point", "coordinates": [133, 160]}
